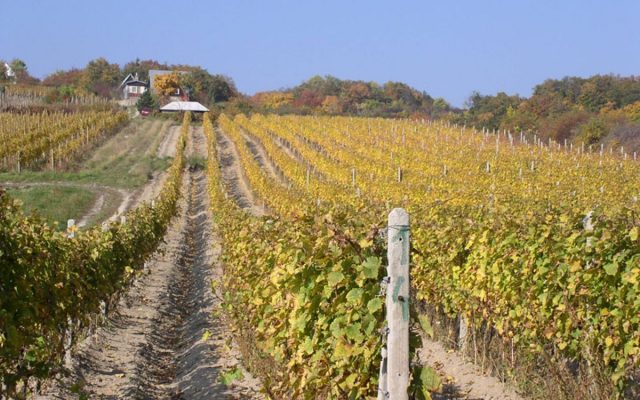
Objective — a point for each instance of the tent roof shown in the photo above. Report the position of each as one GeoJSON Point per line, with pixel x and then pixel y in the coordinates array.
{"type": "Point", "coordinates": [184, 106]}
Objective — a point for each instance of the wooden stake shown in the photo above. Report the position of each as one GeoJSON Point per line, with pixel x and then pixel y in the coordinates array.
{"type": "Point", "coordinates": [397, 304]}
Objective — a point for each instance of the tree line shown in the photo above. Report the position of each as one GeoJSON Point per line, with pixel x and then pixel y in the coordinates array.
{"type": "Point", "coordinates": [333, 96]}
{"type": "Point", "coordinates": [601, 108]}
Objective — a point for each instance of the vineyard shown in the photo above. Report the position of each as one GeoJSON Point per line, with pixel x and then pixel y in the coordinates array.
{"type": "Point", "coordinates": [534, 242]}
{"type": "Point", "coordinates": [51, 140]}
{"type": "Point", "coordinates": [524, 258]}
{"type": "Point", "coordinates": [45, 273]}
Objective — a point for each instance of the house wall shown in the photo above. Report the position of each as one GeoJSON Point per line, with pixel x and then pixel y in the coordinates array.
{"type": "Point", "coordinates": [133, 91]}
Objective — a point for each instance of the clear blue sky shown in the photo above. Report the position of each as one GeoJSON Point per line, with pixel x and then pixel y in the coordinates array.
{"type": "Point", "coordinates": [447, 48]}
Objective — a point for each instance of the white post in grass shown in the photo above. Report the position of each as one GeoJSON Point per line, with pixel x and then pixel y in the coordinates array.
{"type": "Point", "coordinates": [397, 303]}
{"type": "Point", "coordinates": [70, 228]}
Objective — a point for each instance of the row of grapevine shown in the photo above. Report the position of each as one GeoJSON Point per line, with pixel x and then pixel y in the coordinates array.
{"type": "Point", "coordinates": [51, 139]}
{"type": "Point", "coordinates": [539, 242]}
{"type": "Point", "coordinates": [52, 286]}
{"type": "Point", "coordinates": [301, 286]}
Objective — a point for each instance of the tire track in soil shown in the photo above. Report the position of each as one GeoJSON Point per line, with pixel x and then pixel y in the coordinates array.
{"type": "Point", "coordinates": [151, 346]}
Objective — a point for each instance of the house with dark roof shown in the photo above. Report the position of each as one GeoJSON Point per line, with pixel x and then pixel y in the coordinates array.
{"type": "Point", "coordinates": [132, 86]}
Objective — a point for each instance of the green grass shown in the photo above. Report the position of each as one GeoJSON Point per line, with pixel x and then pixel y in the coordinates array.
{"type": "Point", "coordinates": [55, 204]}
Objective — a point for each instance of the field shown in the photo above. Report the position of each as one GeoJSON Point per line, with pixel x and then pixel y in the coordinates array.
{"type": "Point", "coordinates": [524, 259]}
{"type": "Point", "coordinates": [533, 245]}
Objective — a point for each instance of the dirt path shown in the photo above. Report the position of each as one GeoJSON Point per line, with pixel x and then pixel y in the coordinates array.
{"type": "Point", "coordinates": [468, 380]}
{"type": "Point", "coordinates": [93, 211]}
{"type": "Point", "coordinates": [232, 173]}
{"type": "Point", "coordinates": [167, 147]}
{"type": "Point", "coordinates": [153, 345]}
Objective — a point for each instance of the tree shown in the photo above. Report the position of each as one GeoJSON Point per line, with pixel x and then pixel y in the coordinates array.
{"type": "Point", "coordinates": [272, 101]}
{"type": "Point", "coordinates": [100, 77]}
{"type": "Point", "coordinates": [20, 72]}
{"type": "Point", "coordinates": [632, 111]}
{"type": "Point", "coordinates": [167, 84]}
{"type": "Point", "coordinates": [593, 130]}
{"type": "Point", "coordinates": [222, 88]}
{"type": "Point", "coordinates": [207, 88]}
{"type": "Point", "coordinates": [147, 100]}
{"type": "Point", "coordinates": [19, 68]}
{"type": "Point", "coordinates": [3, 72]}
{"type": "Point", "coordinates": [142, 67]}
{"type": "Point", "coordinates": [72, 77]}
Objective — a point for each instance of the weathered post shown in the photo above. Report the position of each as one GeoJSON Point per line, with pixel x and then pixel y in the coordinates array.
{"type": "Point", "coordinates": [397, 305]}
{"type": "Point", "coordinates": [71, 231]}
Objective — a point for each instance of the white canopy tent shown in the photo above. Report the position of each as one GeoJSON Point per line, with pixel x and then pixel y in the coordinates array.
{"type": "Point", "coordinates": [193, 106]}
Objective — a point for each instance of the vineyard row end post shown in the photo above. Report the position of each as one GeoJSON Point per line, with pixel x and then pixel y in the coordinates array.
{"type": "Point", "coordinates": [394, 371]}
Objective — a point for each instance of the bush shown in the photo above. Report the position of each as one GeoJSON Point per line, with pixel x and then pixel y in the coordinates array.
{"type": "Point", "coordinates": [593, 130]}
{"type": "Point", "coordinates": [147, 100]}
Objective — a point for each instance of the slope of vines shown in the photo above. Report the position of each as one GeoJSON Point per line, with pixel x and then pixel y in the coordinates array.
{"type": "Point", "coordinates": [536, 240]}
{"type": "Point", "coordinates": [51, 139]}
{"type": "Point", "coordinates": [52, 285]}
{"type": "Point", "coordinates": [301, 286]}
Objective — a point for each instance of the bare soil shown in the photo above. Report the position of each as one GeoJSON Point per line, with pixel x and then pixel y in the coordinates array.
{"type": "Point", "coordinates": [463, 379]}
{"type": "Point", "coordinates": [167, 147]}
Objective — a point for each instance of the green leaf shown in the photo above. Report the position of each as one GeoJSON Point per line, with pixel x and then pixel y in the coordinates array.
{"type": "Point", "coordinates": [353, 332]}
{"type": "Point", "coordinates": [230, 376]}
{"type": "Point", "coordinates": [611, 269]}
{"type": "Point", "coordinates": [307, 346]}
{"type": "Point", "coordinates": [425, 324]}
{"type": "Point", "coordinates": [425, 380]}
{"type": "Point", "coordinates": [372, 267]}
{"type": "Point", "coordinates": [374, 305]}
{"type": "Point", "coordinates": [354, 295]}
{"type": "Point", "coordinates": [633, 233]}
{"type": "Point", "coordinates": [333, 278]}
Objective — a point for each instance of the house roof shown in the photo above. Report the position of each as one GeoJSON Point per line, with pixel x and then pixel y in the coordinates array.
{"type": "Point", "coordinates": [184, 106]}
{"type": "Point", "coordinates": [132, 80]}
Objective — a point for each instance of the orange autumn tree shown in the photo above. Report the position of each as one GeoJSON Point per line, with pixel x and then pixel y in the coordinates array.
{"type": "Point", "coordinates": [167, 84]}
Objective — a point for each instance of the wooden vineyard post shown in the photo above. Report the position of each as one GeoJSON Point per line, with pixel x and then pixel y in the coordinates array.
{"type": "Point", "coordinates": [71, 228]}
{"type": "Point", "coordinates": [397, 308]}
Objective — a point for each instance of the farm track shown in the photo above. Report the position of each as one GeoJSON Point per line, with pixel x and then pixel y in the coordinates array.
{"type": "Point", "coordinates": [151, 345]}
